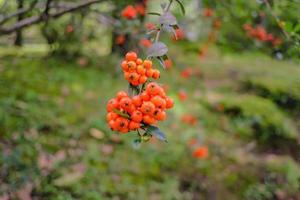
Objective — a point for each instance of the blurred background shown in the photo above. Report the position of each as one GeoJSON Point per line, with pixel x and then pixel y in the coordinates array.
{"type": "Point", "coordinates": [233, 72]}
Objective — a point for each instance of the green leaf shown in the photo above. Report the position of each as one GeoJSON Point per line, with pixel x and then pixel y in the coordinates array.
{"type": "Point", "coordinates": [154, 13]}
{"type": "Point", "coordinates": [121, 113]}
{"type": "Point", "coordinates": [155, 131]}
{"type": "Point", "coordinates": [181, 6]}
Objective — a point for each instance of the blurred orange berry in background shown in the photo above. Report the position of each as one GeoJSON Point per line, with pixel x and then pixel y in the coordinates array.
{"type": "Point", "coordinates": [120, 40]}
{"type": "Point", "coordinates": [69, 28]}
{"type": "Point", "coordinates": [150, 26]}
{"type": "Point", "coordinates": [140, 9]}
{"type": "Point", "coordinates": [201, 152]}
{"type": "Point", "coordinates": [208, 12]}
{"type": "Point", "coordinates": [182, 95]}
{"type": "Point", "coordinates": [168, 63]}
{"type": "Point", "coordinates": [145, 43]}
{"type": "Point", "coordinates": [180, 35]}
{"type": "Point", "coordinates": [129, 12]}
{"type": "Point", "coordinates": [189, 119]}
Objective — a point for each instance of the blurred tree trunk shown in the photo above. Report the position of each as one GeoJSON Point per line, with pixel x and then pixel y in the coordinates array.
{"type": "Point", "coordinates": [19, 35]}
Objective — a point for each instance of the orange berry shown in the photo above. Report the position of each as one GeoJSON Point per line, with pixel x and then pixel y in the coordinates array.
{"type": "Point", "coordinates": [148, 119]}
{"type": "Point", "coordinates": [131, 66]}
{"type": "Point", "coordinates": [145, 96]}
{"type": "Point", "coordinates": [168, 63]}
{"type": "Point", "coordinates": [113, 125]}
{"type": "Point", "coordinates": [125, 103]}
{"type": "Point", "coordinates": [159, 115]}
{"type": "Point", "coordinates": [131, 56]}
{"type": "Point", "coordinates": [139, 61]}
{"type": "Point", "coordinates": [112, 104]}
{"type": "Point", "coordinates": [137, 116]}
{"type": "Point", "coordinates": [147, 64]}
{"type": "Point", "coordinates": [131, 109]}
{"type": "Point", "coordinates": [147, 108]}
{"type": "Point", "coordinates": [111, 116]}
{"type": "Point", "coordinates": [133, 77]}
{"type": "Point", "coordinates": [153, 88]}
{"type": "Point", "coordinates": [134, 125]}
{"type": "Point", "coordinates": [121, 123]}
{"type": "Point", "coordinates": [158, 102]}
{"type": "Point", "coordinates": [124, 130]}
{"type": "Point", "coordinates": [121, 94]}
{"type": "Point", "coordinates": [127, 76]}
{"type": "Point", "coordinates": [156, 74]}
{"type": "Point", "coordinates": [137, 101]}
{"type": "Point", "coordinates": [143, 79]}
{"type": "Point", "coordinates": [169, 103]}
{"type": "Point", "coordinates": [124, 65]}
{"type": "Point", "coordinates": [140, 70]}
{"type": "Point", "coordinates": [162, 93]}
{"type": "Point", "coordinates": [149, 72]}
{"type": "Point", "coordinates": [135, 83]}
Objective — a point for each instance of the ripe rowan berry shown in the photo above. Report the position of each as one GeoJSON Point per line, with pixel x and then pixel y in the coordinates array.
{"type": "Point", "coordinates": [121, 94]}
{"type": "Point", "coordinates": [147, 108]}
{"type": "Point", "coordinates": [124, 65]}
{"type": "Point", "coordinates": [137, 116]}
{"type": "Point", "coordinates": [169, 103]}
{"type": "Point", "coordinates": [111, 116]}
{"type": "Point", "coordinates": [152, 88]}
{"type": "Point", "coordinates": [121, 123]}
{"type": "Point", "coordinates": [133, 77]}
{"type": "Point", "coordinates": [147, 64]}
{"type": "Point", "coordinates": [125, 103]}
{"type": "Point", "coordinates": [148, 119]}
{"type": "Point", "coordinates": [137, 101]}
{"type": "Point", "coordinates": [112, 104]}
{"type": "Point", "coordinates": [112, 124]}
{"type": "Point", "coordinates": [139, 61]}
{"type": "Point", "coordinates": [145, 96]}
{"type": "Point", "coordinates": [158, 102]}
{"type": "Point", "coordinates": [131, 56]}
{"type": "Point", "coordinates": [159, 115]}
{"type": "Point", "coordinates": [156, 74]}
{"type": "Point", "coordinates": [131, 66]}
{"type": "Point", "coordinates": [143, 79]}
{"type": "Point", "coordinates": [134, 125]}
{"type": "Point", "coordinates": [141, 70]}
{"type": "Point", "coordinates": [149, 72]}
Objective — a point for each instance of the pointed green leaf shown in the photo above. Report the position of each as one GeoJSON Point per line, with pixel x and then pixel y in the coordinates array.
{"type": "Point", "coordinates": [181, 6]}
{"type": "Point", "coordinates": [121, 113]}
{"type": "Point", "coordinates": [155, 131]}
{"type": "Point", "coordinates": [154, 13]}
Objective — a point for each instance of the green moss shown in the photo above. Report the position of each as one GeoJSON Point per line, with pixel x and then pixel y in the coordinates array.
{"type": "Point", "coordinates": [265, 119]}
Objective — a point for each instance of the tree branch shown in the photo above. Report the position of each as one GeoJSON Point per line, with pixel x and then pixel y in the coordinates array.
{"type": "Point", "coordinates": [18, 12]}
{"type": "Point", "coordinates": [38, 19]}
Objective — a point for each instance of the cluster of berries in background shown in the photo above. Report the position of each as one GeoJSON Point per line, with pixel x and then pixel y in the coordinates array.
{"type": "Point", "coordinates": [131, 12]}
{"type": "Point", "coordinates": [136, 71]}
{"type": "Point", "coordinates": [260, 33]}
{"type": "Point", "coordinates": [126, 113]}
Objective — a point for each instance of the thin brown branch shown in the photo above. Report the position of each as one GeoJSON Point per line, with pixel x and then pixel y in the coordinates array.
{"type": "Point", "coordinates": [38, 19]}
{"type": "Point", "coordinates": [18, 12]}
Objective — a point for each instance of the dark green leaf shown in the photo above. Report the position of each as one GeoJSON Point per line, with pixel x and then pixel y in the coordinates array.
{"type": "Point", "coordinates": [153, 130]}
{"type": "Point", "coordinates": [154, 13]}
{"type": "Point", "coordinates": [133, 90]}
{"type": "Point", "coordinates": [181, 6]}
{"type": "Point", "coordinates": [121, 113]}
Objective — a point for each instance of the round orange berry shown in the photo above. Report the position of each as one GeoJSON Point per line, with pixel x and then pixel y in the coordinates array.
{"type": "Point", "coordinates": [137, 101]}
{"type": "Point", "coordinates": [149, 72]}
{"type": "Point", "coordinates": [143, 79]}
{"type": "Point", "coordinates": [137, 116]}
{"type": "Point", "coordinates": [124, 65]}
{"type": "Point", "coordinates": [125, 103]}
{"type": "Point", "coordinates": [131, 56]}
{"type": "Point", "coordinates": [112, 104]}
{"type": "Point", "coordinates": [139, 61]}
{"type": "Point", "coordinates": [147, 108]}
{"type": "Point", "coordinates": [160, 115]}
{"type": "Point", "coordinates": [147, 64]}
{"type": "Point", "coordinates": [133, 77]}
{"type": "Point", "coordinates": [158, 102]}
{"type": "Point", "coordinates": [121, 94]}
{"type": "Point", "coordinates": [140, 70]}
{"type": "Point", "coordinates": [148, 119]}
{"type": "Point", "coordinates": [145, 96]}
{"type": "Point", "coordinates": [131, 66]}
{"type": "Point", "coordinates": [156, 74]}
{"type": "Point", "coordinates": [121, 123]}
{"type": "Point", "coordinates": [153, 88]}
{"type": "Point", "coordinates": [111, 116]}
{"type": "Point", "coordinates": [134, 125]}
{"type": "Point", "coordinates": [169, 103]}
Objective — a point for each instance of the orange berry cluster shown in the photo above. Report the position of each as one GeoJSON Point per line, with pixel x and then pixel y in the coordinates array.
{"type": "Point", "coordinates": [136, 71]}
{"type": "Point", "coordinates": [143, 109]}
